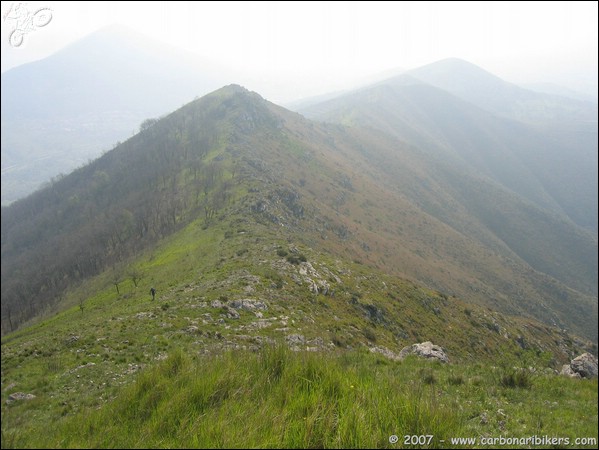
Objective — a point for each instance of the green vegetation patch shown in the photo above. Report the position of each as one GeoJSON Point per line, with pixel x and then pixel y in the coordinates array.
{"type": "Point", "coordinates": [278, 398]}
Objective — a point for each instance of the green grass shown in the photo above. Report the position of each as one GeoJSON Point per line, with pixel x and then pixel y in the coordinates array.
{"type": "Point", "coordinates": [276, 398]}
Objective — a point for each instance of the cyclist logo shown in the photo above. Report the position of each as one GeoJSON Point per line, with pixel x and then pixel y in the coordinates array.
{"type": "Point", "coordinates": [25, 21]}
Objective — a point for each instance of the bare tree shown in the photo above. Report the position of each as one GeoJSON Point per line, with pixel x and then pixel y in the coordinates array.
{"type": "Point", "coordinates": [135, 275]}
{"type": "Point", "coordinates": [117, 279]}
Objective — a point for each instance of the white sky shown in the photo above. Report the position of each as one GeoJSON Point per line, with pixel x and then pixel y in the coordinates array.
{"type": "Point", "coordinates": [317, 47]}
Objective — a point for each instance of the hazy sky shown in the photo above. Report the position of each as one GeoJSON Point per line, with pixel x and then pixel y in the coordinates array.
{"type": "Point", "coordinates": [316, 47]}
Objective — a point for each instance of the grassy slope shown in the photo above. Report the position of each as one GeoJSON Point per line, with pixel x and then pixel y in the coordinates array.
{"type": "Point", "coordinates": [442, 228]}
{"type": "Point", "coordinates": [82, 359]}
{"type": "Point", "coordinates": [467, 217]}
{"type": "Point", "coordinates": [282, 399]}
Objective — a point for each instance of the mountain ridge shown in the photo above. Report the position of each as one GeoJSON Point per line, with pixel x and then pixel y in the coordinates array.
{"type": "Point", "coordinates": [555, 168]}
{"type": "Point", "coordinates": [301, 179]}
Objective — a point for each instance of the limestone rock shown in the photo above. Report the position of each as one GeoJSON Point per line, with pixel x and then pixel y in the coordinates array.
{"type": "Point", "coordinates": [248, 304]}
{"type": "Point", "coordinates": [425, 350]}
{"type": "Point", "coordinates": [583, 366]}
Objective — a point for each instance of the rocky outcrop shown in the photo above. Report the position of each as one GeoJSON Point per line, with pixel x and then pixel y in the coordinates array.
{"type": "Point", "coordinates": [425, 350]}
{"type": "Point", "coordinates": [295, 340]}
{"type": "Point", "coordinates": [583, 366]}
{"type": "Point", "coordinates": [298, 342]}
{"type": "Point", "coordinates": [316, 283]}
{"type": "Point", "coordinates": [248, 304]}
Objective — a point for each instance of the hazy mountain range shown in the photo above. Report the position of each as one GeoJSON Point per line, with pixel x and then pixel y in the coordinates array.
{"type": "Point", "coordinates": [551, 162]}
{"type": "Point", "coordinates": [60, 112]}
{"type": "Point", "coordinates": [446, 175]}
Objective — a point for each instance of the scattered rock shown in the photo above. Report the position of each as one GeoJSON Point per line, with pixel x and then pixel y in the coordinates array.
{"type": "Point", "coordinates": [583, 366]}
{"type": "Point", "coordinates": [19, 396]}
{"type": "Point", "coordinates": [298, 342]}
{"type": "Point", "coordinates": [425, 350]}
{"type": "Point", "coordinates": [295, 339]}
{"type": "Point", "coordinates": [248, 304]}
{"type": "Point", "coordinates": [306, 269]}
{"type": "Point", "coordinates": [72, 339]}
{"type": "Point", "coordinates": [231, 313]}
{"type": "Point", "coordinates": [261, 323]}
{"type": "Point", "coordinates": [89, 364]}
{"type": "Point", "coordinates": [316, 283]}
{"type": "Point", "coordinates": [132, 368]}
{"type": "Point", "coordinates": [192, 329]}
{"type": "Point", "coordinates": [145, 315]}
{"type": "Point", "coordinates": [484, 418]}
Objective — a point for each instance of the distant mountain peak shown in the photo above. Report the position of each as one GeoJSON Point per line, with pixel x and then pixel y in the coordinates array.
{"type": "Point", "coordinates": [487, 91]}
{"type": "Point", "coordinates": [234, 89]}
{"type": "Point", "coordinates": [455, 67]}
{"type": "Point", "coordinates": [453, 61]}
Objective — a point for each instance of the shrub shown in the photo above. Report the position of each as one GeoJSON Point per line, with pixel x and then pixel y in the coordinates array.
{"type": "Point", "coordinates": [369, 334]}
{"type": "Point", "coordinates": [293, 259]}
{"type": "Point", "coordinates": [455, 380]}
{"type": "Point", "coordinates": [513, 378]}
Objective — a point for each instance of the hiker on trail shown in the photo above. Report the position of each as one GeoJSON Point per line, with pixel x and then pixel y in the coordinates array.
{"type": "Point", "coordinates": [153, 292]}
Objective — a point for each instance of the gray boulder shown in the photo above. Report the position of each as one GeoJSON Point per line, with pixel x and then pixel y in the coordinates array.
{"type": "Point", "coordinates": [583, 366]}
{"type": "Point", "coordinates": [295, 339]}
{"type": "Point", "coordinates": [425, 350]}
